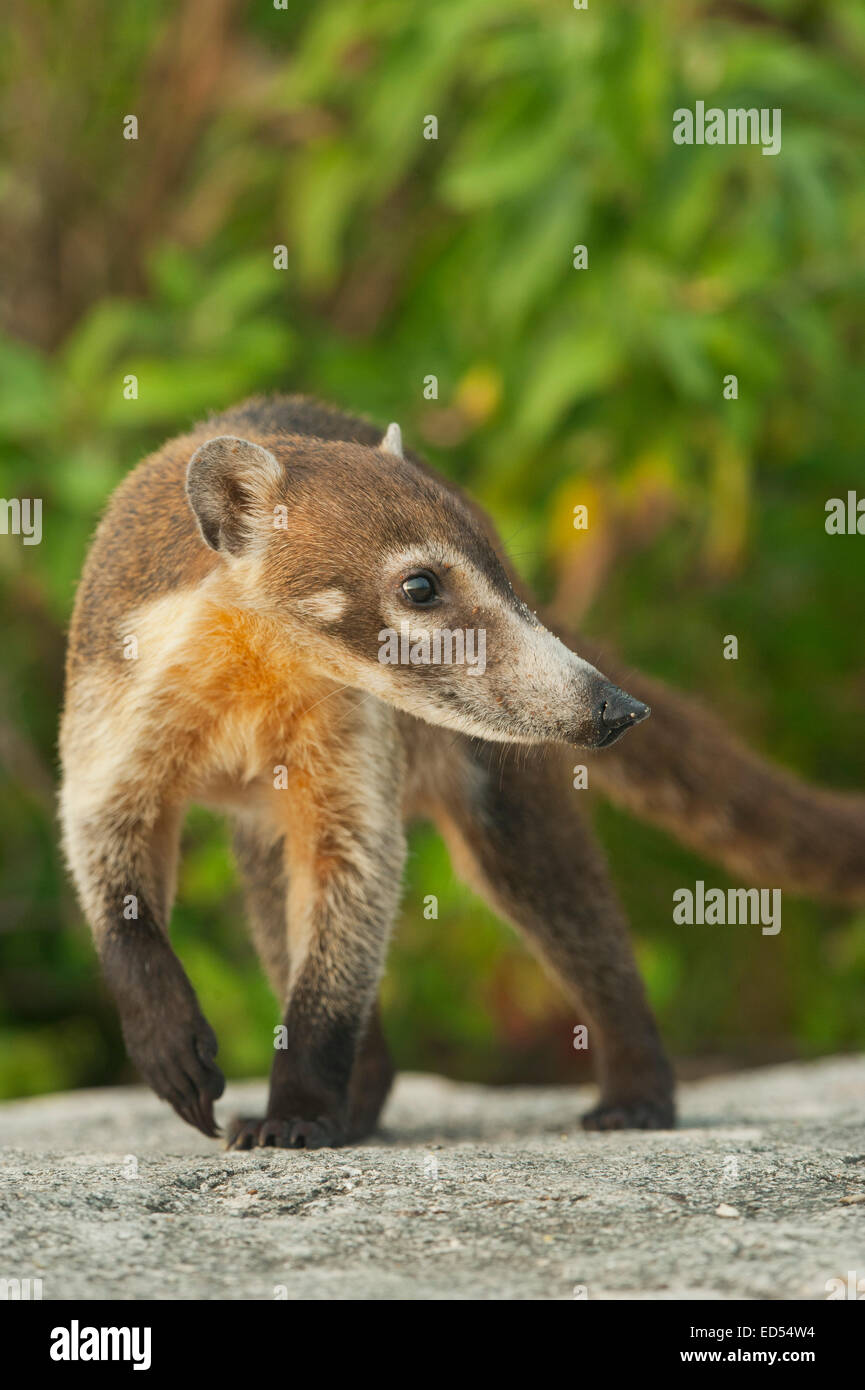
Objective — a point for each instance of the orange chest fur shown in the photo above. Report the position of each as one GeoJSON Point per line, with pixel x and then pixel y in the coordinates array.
{"type": "Point", "coordinates": [249, 703]}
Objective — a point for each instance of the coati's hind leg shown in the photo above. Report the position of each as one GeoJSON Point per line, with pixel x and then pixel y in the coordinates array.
{"type": "Point", "coordinates": [260, 854]}
{"type": "Point", "coordinates": [123, 856]}
{"type": "Point", "coordinates": [511, 821]}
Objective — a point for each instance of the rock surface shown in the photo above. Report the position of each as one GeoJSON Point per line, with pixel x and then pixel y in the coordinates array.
{"type": "Point", "coordinates": [469, 1193]}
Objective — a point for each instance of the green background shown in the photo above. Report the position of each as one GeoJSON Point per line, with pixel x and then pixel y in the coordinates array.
{"type": "Point", "coordinates": [409, 257]}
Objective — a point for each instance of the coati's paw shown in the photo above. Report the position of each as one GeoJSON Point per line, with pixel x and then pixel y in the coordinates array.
{"type": "Point", "coordinates": [167, 1036]}
{"type": "Point", "coordinates": [283, 1134]}
{"type": "Point", "coordinates": [177, 1062]}
{"type": "Point", "coordinates": [632, 1114]}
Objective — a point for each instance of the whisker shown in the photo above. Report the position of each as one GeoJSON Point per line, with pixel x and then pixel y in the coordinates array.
{"type": "Point", "coordinates": [354, 708]}
{"type": "Point", "coordinates": [338, 691]}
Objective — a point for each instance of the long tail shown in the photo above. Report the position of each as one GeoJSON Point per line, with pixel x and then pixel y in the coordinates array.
{"type": "Point", "coordinates": [683, 771]}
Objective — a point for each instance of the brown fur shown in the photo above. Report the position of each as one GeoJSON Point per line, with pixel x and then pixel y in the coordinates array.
{"type": "Point", "coordinates": [256, 655]}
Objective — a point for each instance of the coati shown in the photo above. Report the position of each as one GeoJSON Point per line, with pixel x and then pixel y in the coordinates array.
{"type": "Point", "coordinates": [224, 649]}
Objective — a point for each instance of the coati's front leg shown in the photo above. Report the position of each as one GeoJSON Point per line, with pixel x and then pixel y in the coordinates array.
{"type": "Point", "coordinates": [123, 861]}
{"type": "Point", "coordinates": [261, 860]}
{"type": "Point", "coordinates": [345, 848]}
{"type": "Point", "coordinates": [511, 821]}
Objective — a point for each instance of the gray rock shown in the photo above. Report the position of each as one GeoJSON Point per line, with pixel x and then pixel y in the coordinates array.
{"type": "Point", "coordinates": [469, 1193]}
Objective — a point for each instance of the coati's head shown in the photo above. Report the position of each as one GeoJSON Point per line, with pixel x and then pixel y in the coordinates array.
{"type": "Point", "coordinates": [390, 584]}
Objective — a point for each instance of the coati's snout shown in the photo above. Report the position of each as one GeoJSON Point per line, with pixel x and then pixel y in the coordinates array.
{"type": "Point", "coordinates": [618, 713]}
{"type": "Point", "coordinates": [597, 713]}
{"type": "Point", "coordinates": [382, 579]}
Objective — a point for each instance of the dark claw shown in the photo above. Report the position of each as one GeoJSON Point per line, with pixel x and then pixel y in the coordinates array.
{"type": "Point", "coordinates": [246, 1133]}
{"type": "Point", "coordinates": [242, 1133]}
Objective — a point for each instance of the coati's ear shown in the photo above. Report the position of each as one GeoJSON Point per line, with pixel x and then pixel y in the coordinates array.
{"type": "Point", "coordinates": [228, 482]}
{"type": "Point", "coordinates": [392, 442]}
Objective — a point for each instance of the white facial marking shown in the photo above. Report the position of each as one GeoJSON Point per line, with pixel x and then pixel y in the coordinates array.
{"type": "Point", "coordinates": [328, 605]}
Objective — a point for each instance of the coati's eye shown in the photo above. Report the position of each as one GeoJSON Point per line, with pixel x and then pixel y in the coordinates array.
{"type": "Point", "coordinates": [419, 588]}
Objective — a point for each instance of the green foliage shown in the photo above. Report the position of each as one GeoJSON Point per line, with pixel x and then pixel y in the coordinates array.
{"type": "Point", "coordinates": [409, 257]}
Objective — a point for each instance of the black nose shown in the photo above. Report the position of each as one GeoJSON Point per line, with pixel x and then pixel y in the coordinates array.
{"type": "Point", "coordinates": [621, 711]}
